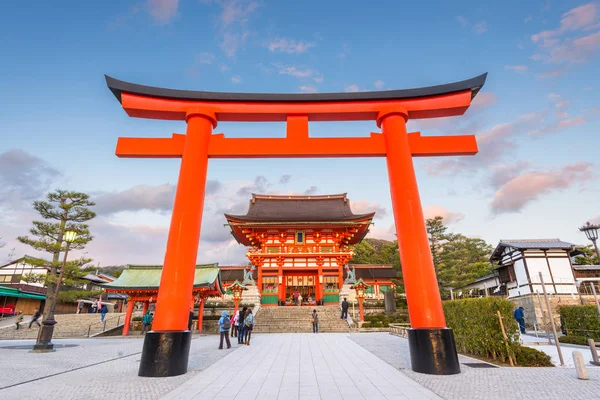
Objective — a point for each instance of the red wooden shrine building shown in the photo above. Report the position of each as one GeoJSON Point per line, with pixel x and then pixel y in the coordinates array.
{"type": "Point", "coordinates": [301, 244]}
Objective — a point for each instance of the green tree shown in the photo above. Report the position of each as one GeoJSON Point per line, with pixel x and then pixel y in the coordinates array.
{"type": "Point", "coordinates": [364, 253]}
{"type": "Point", "coordinates": [62, 211]}
{"type": "Point", "coordinates": [436, 231]}
{"type": "Point", "coordinates": [462, 260]}
{"type": "Point", "coordinates": [588, 257]}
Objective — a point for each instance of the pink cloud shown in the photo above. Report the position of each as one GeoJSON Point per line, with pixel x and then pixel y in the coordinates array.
{"type": "Point", "coordinates": [551, 73]}
{"type": "Point", "coordinates": [516, 68]}
{"type": "Point", "coordinates": [289, 46]}
{"type": "Point", "coordinates": [514, 195]}
{"type": "Point", "coordinates": [163, 11]}
{"type": "Point", "coordinates": [579, 18]}
{"type": "Point", "coordinates": [385, 233]}
{"type": "Point", "coordinates": [378, 84]}
{"type": "Point", "coordinates": [448, 217]}
{"type": "Point", "coordinates": [364, 207]}
{"type": "Point", "coordinates": [480, 27]}
{"type": "Point", "coordinates": [462, 20]}
{"type": "Point", "coordinates": [483, 100]}
{"type": "Point", "coordinates": [559, 125]}
{"type": "Point", "coordinates": [503, 173]}
{"type": "Point", "coordinates": [351, 88]}
{"type": "Point", "coordinates": [554, 48]}
{"type": "Point", "coordinates": [232, 23]}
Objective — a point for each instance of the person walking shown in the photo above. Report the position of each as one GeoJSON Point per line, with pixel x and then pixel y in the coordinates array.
{"type": "Point", "coordinates": [36, 315]}
{"type": "Point", "coordinates": [241, 327]}
{"type": "Point", "coordinates": [315, 321]}
{"type": "Point", "coordinates": [519, 315]}
{"type": "Point", "coordinates": [19, 319]}
{"type": "Point", "coordinates": [344, 309]}
{"type": "Point", "coordinates": [103, 311]}
{"type": "Point", "coordinates": [248, 326]}
{"type": "Point", "coordinates": [224, 326]}
{"type": "Point", "coordinates": [146, 322]}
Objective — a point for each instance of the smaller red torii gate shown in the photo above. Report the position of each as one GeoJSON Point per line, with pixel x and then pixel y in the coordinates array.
{"type": "Point", "coordinates": [166, 348]}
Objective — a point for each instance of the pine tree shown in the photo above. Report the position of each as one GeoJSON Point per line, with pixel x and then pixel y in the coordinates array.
{"type": "Point", "coordinates": [62, 210]}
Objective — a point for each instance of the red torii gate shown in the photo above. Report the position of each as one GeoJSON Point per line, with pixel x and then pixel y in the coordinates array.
{"type": "Point", "coordinates": [166, 348]}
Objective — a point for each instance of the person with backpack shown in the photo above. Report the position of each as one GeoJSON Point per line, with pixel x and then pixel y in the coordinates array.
{"type": "Point", "coordinates": [146, 322]}
{"type": "Point", "coordinates": [234, 325]}
{"type": "Point", "coordinates": [344, 309]}
{"type": "Point", "coordinates": [224, 326]}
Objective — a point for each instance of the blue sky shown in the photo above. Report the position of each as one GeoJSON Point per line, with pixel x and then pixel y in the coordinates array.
{"type": "Point", "coordinates": [536, 118]}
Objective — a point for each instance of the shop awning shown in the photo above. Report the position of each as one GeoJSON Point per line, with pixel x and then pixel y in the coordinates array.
{"type": "Point", "coordinates": [12, 292]}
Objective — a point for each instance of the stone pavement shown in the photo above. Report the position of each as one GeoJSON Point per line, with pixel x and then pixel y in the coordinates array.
{"type": "Point", "coordinates": [486, 383]}
{"type": "Point", "coordinates": [301, 366]}
{"type": "Point", "coordinates": [93, 369]}
{"type": "Point", "coordinates": [286, 366]}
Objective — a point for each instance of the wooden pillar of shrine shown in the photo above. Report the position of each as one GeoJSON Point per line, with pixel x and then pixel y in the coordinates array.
{"type": "Point", "coordinates": [127, 323]}
{"type": "Point", "coordinates": [201, 314]}
{"type": "Point", "coordinates": [432, 346]}
{"type": "Point", "coordinates": [167, 347]}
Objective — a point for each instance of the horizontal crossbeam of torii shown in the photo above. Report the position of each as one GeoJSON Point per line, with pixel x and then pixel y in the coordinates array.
{"type": "Point", "coordinates": [431, 343]}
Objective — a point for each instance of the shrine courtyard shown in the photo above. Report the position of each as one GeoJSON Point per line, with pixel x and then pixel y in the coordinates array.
{"type": "Point", "coordinates": [275, 366]}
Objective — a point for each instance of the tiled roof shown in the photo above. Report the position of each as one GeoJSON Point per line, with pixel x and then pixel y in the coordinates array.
{"type": "Point", "coordinates": [325, 208]}
{"type": "Point", "coordinates": [148, 277]}
{"type": "Point", "coordinates": [524, 244]}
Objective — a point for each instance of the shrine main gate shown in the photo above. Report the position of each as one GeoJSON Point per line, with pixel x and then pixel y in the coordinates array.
{"type": "Point", "coordinates": [166, 348]}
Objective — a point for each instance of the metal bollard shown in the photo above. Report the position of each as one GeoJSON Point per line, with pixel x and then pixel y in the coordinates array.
{"type": "Point", "coordinates": [595, 359]}
{"type": "Point", "coordinates": [580, 366]}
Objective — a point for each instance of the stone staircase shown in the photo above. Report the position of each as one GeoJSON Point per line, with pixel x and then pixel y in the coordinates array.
{"type": "Point", "coordinates": [67, 326]}
{"type": "Point", "coordinates": [298, 319]}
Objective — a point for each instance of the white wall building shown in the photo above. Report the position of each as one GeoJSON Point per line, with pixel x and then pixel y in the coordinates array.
{"type": "Point", "coordinates": [519, 263]}
{"type": "Point", "coordinates": [12, 273]}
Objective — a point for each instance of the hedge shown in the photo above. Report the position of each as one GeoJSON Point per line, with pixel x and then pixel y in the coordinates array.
{"type": "Point", "coordinates": [580, 320]}
{"type": "Point", "coordinates": [571, 339]}
{"type": "Point", "coordinates": [383, 320]}
{"type": "Point", "coordinates": [477, 329]}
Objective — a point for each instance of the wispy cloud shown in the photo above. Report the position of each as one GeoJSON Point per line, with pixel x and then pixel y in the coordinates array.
{"type": "Point", "coordinates": [527, 19]}
{"type": "Point", "coordinates": [236, 79]}
{"type": "Point", "coordinates": [232, 23]}
{"type": "Point", "coordinates": [205, 58]}
{"type": "Point", "coordinates": [448, 217]}
{"type": "Point", "coordinates": [551, 73]}
{"type": "Point", "coordinates": [570, 42]}
{"type": "Point", "coordinates": [516, 68]}
{"type": "Point", "coordinates": [308, 89]}
{"type": "Point", "coordinates": [351, 88]}
{"type": "Point", "coordinates": [525, 188]}
{"type": "Point", "coordinates": [379, 84]}
{"type": "Point", "coordinates": [162, 11]}
{"type": "Point", "coordinates": [290, 46]}
{"type": "Point", "coordinates": [480, 27]}
{"type": "Point", "coordinates": [344, 51]}
{"type": "Point", "coordinates": [299, 72]}
{"type": "Point", "coordinates": [462, 20]}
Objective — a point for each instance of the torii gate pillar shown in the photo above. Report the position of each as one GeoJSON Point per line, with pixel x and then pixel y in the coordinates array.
{"type": "Point", "coordinates": [166, 347]}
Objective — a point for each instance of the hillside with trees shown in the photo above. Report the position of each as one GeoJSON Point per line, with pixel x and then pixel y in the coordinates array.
{"type": "Point", "coordinates": [457, 259]}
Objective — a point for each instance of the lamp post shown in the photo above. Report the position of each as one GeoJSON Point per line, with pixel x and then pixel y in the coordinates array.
{"type": "Point", "coordinates": [44, 342]}
{"type": "Point", "coordinates": [591, 232]}
{"type": "Point", "coordinates": [237, 288]}
{"type": "Point", "coordinates": [360, 288]}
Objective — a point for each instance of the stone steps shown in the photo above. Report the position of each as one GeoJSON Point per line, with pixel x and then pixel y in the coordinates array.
{"type": "Point", "coordinates": [67, 326]}
{"type": "Point", "coordinates": [298, 319]}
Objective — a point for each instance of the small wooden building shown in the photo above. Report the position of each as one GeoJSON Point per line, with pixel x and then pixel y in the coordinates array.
{"type": "Point", "coordinates": [520, 262]}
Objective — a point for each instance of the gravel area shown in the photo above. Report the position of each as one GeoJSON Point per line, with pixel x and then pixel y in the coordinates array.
{"type": "Point", "coordinates": [486, 383]}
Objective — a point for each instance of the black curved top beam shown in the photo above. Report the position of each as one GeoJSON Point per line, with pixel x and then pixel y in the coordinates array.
{"type": "Point", "coordinates": [117, 87]}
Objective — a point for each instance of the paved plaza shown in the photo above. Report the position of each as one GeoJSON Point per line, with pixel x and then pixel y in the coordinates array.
{"type": "Point", "coordinates": [275, 366]}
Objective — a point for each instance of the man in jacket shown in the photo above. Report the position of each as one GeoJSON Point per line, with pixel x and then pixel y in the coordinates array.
{"type": "Point", "coordinates": [345, 309]}
{"type": "Point", "coordinates": [520, 317]}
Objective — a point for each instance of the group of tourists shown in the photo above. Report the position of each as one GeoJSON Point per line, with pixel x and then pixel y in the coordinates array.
{"type": "Point", "coordinates": [240, 325]}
